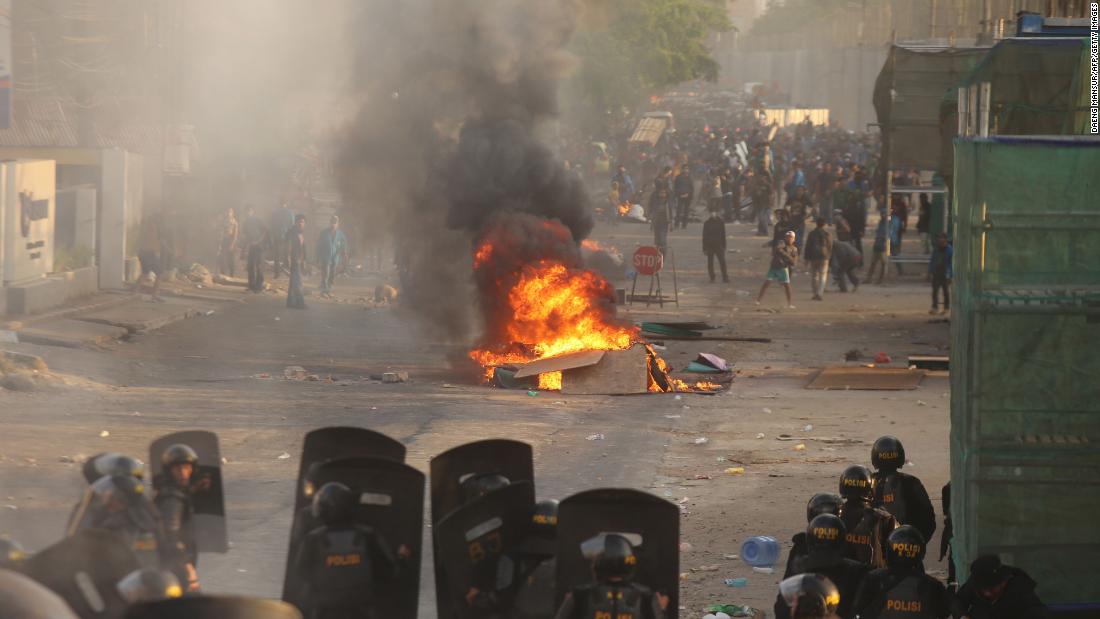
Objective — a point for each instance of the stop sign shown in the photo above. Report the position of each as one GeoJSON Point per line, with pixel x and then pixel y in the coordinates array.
{"type": "Point", "coordinates": [648, 260]}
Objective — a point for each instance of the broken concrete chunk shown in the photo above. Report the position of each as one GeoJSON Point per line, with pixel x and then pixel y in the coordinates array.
{"type": "Point", "coordinates": [395, 377]}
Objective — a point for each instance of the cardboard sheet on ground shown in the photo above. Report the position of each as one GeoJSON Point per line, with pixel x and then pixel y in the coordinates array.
{"type": "Point", "coordinates": [564, 362]}
{"type": "Point", "coordinates": [619, 372]}
{"type": "Point", "coordinates": [871, 379]}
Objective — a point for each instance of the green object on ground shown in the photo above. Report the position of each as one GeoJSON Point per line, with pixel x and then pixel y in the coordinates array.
{"type": "Point", "coordinates": [733, 610]}
{"type": "Point", "coordinates": [659, 329]}
{"type": "Point", "coordinates": [701, 368]}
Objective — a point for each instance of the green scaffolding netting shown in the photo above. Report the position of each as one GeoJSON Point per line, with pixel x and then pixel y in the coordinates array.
{"type": "Point", "coordinates": [1025, 367]}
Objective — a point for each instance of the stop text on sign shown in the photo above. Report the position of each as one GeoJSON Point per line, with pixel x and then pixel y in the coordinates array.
{"type": "Point", "coordinates": [648, 260]}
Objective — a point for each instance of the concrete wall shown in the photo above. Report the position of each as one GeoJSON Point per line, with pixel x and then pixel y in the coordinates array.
{"type": "Point", "coordinates": [50, 292]}
{"type": "Point", "coordinates": [29, 206]}
{"type": "Point", "coordinates": [120, 211]}
{"type": "Point", "coordinates": [841, 79]}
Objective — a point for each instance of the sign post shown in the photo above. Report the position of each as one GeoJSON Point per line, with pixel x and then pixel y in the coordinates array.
{"type": "Point", "coordinates": [648, 261]}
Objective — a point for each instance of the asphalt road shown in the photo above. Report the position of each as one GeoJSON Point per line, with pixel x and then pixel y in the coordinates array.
{"type": "Point", "coordinates": [202, 373]}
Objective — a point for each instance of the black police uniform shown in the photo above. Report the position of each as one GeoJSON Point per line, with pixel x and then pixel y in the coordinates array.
{"type": "Point", "coordinates": [340, 566]}
{"type": "Point", "coordinates": [619, 600]}
{"type": "Point", "coordinates": [845, 573]}
{"type": "Point", "coordinates": [889, 593]}
{"type": "Point", "coordinates": [138, 522]}
{"type": "Point", "coordinates": [868, 528]}
{"type": "Point", "coordinates": [820, 503]}
{"type": "Point", "coordinates": [178, 514]}
{"type": "Point", "coordinates": [906, 499]}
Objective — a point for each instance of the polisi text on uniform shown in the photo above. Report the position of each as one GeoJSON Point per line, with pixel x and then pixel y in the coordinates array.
{"type": "Point", "coordinates": [607, 615]}
{"type": "Point", "coordinates": [857, 483]}
{"type": "Point", "coordinates": [852, 538]}
{"type": "Point", "coordinates": [905, 606]}
{"type": "Point", "coordinates": [825, 533]}
{"type": "Point", "coordinates": [343, 560]}
{"type": "Point", "coordinates": [907, 550]}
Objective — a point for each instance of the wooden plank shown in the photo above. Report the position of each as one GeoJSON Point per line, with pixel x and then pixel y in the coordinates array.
{"type": "Point", "coordinates": [562, 362]}
{"type": "Point", "coordinates": [620, 372]}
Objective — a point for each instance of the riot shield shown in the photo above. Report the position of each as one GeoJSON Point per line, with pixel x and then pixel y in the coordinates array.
{"type": "Point", "coordinates": [23, 598]}
{"type": "Point", "coordinates": [207, 494]}
{"type": "Point", "coordinates": [650, 523]}
{"type": "Point", "coordinates": [335, 443]}
{"type": "Point", "coordinates": [471, 540]}
{"type": "Point", "coordinates": [213, 607]}
{"type": "Point", "coordinates": [511, 459]}
{"type": "Point", "coordinates": [84, 570]}
{"type": "Point", "coordinates": [391, 501]}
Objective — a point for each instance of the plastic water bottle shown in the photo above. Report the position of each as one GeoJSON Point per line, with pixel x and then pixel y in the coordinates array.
{"type": "Point", "coordinates": [760, 551]}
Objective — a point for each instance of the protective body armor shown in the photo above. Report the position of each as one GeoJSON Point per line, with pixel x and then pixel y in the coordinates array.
{"type": "Point", "coordinates": [867, 531]}
{"type": "Point", "coordinates": [613, 601]}
{"type": "Point", "coordinates": [178, 514]}
{"type": "Point", "coordinates": [342, 572]}
{"type": "Point", "coordinates": [913, 595]}
{"type": "Point", "coordinates": [905, 498]}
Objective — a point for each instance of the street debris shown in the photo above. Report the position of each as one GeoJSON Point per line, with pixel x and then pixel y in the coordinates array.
{"type": "Point", "coordinates": [283, 456]}
{"type": "Point", "coordinates": [702, 440]}
{"type": "Point", "coordinates": [760, 435]}
{"type": "Point", "coordinates": [736, 582]}
{"type": "Point", "coordinates": [853, 355]}
{"type": "Point", "coordinates": [395, 377]}
{"type": "Point", "coordinates": [808, 428]}
{"type": "Point", "coordinates": [800, 447]}
{"type": "Point", "coordinates": [104, 434]}
{"type": "Point", "coordinates": [294, 372]}
{"type": "Point", "coordinates": [735, 470]}
{"type": "Point", "coordinates": [594, 437]}
{"type": "Point", "coordinates": [882, 358]}
{"type": "Point", "coordinates": [764, 570]}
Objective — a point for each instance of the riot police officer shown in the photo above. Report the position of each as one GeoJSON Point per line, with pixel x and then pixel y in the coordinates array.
{"type": "Point", "coordinates": [809, 596]}
{"type": "Point", "coordinates": [11, 553]}
{"type": "Point", "coordinates": [868, 526]}
{"type": "Point", "coordinates": [902, 590]}
{"type": "Point", "coordinates": [901, 494]}
{"type": "Point", "coordinates": [825, 547]}
{"type": "Point", "coordinates": [820, 503]}
{"type": "Point", "coordinates": [119, 504]}
{"type": "Point", "coordinates": [108, 464]}
{"type": "Point", "coordinates": [340, 562]}
{"type": "Point", "coordinates": [613, 594]}
{"type": "Point", "coordinates": [173, 501]}
{"type": "Point", "coordinates": [525, 575]}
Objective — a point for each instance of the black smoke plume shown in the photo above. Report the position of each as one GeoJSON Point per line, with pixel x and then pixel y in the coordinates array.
{"type": "Point", "coordinates": [452, 94]}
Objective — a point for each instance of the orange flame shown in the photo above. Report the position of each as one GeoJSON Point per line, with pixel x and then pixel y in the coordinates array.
{"type": "Point", "coordinates": [624, 208]}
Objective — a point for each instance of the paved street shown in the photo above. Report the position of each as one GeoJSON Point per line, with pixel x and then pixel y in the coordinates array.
{"type": "Point", "coordinates": [206, 372]}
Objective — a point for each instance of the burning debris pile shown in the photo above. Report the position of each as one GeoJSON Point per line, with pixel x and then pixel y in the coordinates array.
{"type": "Point", "coordinates": [540, 303]}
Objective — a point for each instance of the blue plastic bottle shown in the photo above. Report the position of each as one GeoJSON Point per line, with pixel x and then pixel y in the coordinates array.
{"type": "Point", "coordinates": [760, 551]}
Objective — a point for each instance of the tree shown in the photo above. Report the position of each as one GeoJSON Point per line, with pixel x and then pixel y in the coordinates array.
{"type": "Point", "coordinates": [638, 47]}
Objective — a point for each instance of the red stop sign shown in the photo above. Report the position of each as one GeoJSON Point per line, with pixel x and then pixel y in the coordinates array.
{"type": "Point", "coordinates": [648, 260]}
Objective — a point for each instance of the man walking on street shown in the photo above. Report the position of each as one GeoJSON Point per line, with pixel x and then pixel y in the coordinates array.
{"type": "Point", "coordinates": [855, 213]}
{"type": "Point", "coordinates": [784, 257]}
{"type": "Point", "coordinates": [296, 253]}
{"type": "Point", "coordinates": [332, 252]}
{"type": "Point", "coordinates": [819, 249]}
{"type": "Point", "coordinates": [940, 273]}
{"type": "Point", "coordinates": [660, 218]}
{"type": "Point", "coordinates": [254, 236]}
{"type": "Point", "coordinates": [282, 220]}
{"type": "Point", "coordinates": [685, 193]}
{"type": "Point", "coordinates": [227, 246]}
{"type": "Point", "coordinates": [714, 244]}
{"type": "Point", "coordinates": [846, 262]}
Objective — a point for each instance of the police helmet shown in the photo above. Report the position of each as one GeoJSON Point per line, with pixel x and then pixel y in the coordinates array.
{"type": "Point", "coordinates": [887, 454]}
{"type": "Point", "coordinates": [334, 503]}
{"type": "Point", "coordinates": [855, 483]}
{"type": "Point", "coordinates": [905, 547]}
{"type": "Point", "coordinates": [121, 465]}
{"type": "Point", "coordinates": [826, 531]}
{"type": "Point", "coordinates": [178, 454]}
{"type": "Point", "coordinates": [149, 585]}
{"type": "Point", "coordinates": [11, 553]}
{"type": "Point", "coordinates": [822, 503]}
{"type": "Point", "coordinates": [544, 520]}
{"type": "Point", "coordinates": [614, 558]}
{"type": "Point", "coordinates": [810, 595]}
{"type": "Point", "coordinates": [480, 484]}
{"type": "Point", "coordinates": [123, 487]}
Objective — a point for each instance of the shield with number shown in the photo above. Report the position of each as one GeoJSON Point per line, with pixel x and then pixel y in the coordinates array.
{"type": "Point", "coordinates": [650, 523]}
{"type": "Point", "coordinates": [471, 540]}
{"type": "Point", "coordinates": [334, 443]}
{"type": "Point", "coordinates": [207, 493]}
{"type": "Point", "coordinates": [213, 607]}
{"type": "Point", "coordinates": [84, 570]}
{"type": "Point", "coordinates": [391, 501]}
